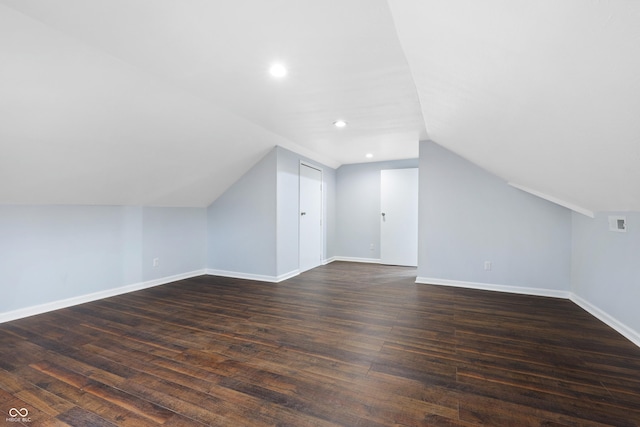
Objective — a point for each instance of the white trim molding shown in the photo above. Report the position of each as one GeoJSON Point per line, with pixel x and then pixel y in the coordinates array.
{"type": "Point", "coordinates": [552, 199]}
{"type": "Point", "coordinates": [251, 276]}
{"type": "Point", "coordinates": [624, 330]}
{"type": "Point", "coordinates": [81, 299]}
{"type": "Point", "coordinates": [541, 292]}
{"type": "Point", "coordinates": [356, 259]}
{"type": "Point", "coordinates": [611, 321]}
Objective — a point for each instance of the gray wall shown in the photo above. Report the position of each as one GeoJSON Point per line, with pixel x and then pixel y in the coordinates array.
{"type": "Point", "coordinates": [605, 267]}
{"type": "Point", "coordinates": [51, 253]}
{"type": "Point", "coordinates": [177, 236]}
{"type": "Point", "coordinates": [330, 210]}
{"type": "Point", "coordinates": [287, 211]}
{"type": "Point", "coordinates": [253, 226]}
{"type": "Point", "coordinates": [288, 201]}
{"type": "Point", "coordinates": [358, 207]}
{"type": "Point", "coordinates": [241, 224]}
{"type": "Point", "coordinates": [469, 216]}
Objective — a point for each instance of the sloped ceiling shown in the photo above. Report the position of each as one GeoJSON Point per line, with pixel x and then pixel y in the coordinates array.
{"type": "Point", "coordinates": [544, 93]}
{"type": "Point", "coordinates": [168, 102]}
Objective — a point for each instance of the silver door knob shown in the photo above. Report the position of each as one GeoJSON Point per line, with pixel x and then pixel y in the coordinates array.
{"type": "Point", "coordinates": [303, 213]}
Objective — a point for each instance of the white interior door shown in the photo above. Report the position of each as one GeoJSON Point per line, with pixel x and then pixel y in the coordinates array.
{"type": "Point", "coordinates": [310, 247]}
{"type": "Point", "coordinates": [399, 217]}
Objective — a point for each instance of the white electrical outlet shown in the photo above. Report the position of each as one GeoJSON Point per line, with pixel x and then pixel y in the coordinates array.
{"type": "Point", "coordinates": [371, 247]}
{"type": "Point", "coordinates": [156, 262]}
{"type": "Point", "coordinates": [487, 265]}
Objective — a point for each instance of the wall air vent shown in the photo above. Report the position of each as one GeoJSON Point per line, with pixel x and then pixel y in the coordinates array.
{"type": "Point", "coordinates": [618, 223]}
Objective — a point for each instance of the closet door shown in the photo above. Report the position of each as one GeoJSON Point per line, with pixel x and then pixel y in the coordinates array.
{"type": "Point", "coordinates": [310, 245]}
{"type": "Point", "coordinates": [399, 217]}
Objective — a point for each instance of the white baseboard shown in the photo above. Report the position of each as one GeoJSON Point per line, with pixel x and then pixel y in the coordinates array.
{"type": "Point", "coordinates": [611, 321]}
{"type": "Point", "coordinates": [493, 287]}
{"type": "Point", "coordinates": [614, 323]}
{"type": "Point", "coordinates": [68, 302]}
{"type": "Point", "coordinates": [356, 259]}
{"type": "Point", "coordinates": [286, 276]}
{"type": "Point", "coordinates": [328, 260]}
{"type": "Point", "coordinates": [250, 276]}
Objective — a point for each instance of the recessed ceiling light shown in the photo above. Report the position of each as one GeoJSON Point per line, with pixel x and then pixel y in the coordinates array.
{"type": "Point", "coordinates": [278, 70]}
{"type": "Point", "coordinates": [369, 155]}
{"type": "Point", "coordinates": [339, 123]}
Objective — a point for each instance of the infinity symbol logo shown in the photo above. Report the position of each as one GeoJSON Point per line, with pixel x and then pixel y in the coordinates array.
{"type": "Point", "coordinates": [22, 412]}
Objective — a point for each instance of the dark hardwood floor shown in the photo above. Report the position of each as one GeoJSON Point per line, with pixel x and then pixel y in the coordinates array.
{"type": "Point", "coordinates": [344, 344]}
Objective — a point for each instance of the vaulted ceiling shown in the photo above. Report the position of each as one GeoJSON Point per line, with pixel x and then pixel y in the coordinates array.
{"type": "Point", "coordinates": [168, 102]}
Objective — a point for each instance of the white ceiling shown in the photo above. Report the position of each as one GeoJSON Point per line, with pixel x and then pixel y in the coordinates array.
{"type": "Point", "coordinates": [168, 102]}
{"type": "Point", "coordinates": [543, 93]}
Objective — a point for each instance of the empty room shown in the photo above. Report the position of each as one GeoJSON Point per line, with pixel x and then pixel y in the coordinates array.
{"type": "Point", "coordinates": [329, 213]}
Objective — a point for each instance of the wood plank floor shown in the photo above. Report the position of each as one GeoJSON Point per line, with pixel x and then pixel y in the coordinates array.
{"type": "Point", "coordinates": [342, 345]}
